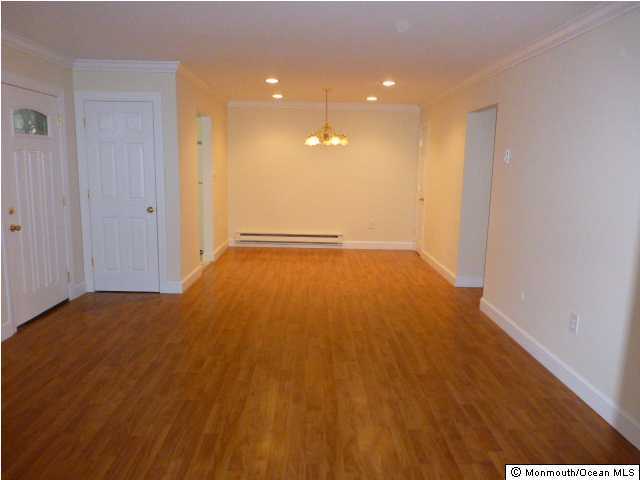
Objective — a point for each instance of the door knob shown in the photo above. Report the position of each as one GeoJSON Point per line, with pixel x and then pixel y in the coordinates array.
{"type": "Point", "coordinates": [151, 209]}
{"type": "Point", "coordinates": [15, 228]}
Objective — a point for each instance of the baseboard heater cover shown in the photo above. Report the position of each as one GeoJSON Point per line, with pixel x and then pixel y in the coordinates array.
{"type": "Point", "coordinates": [288, 238]}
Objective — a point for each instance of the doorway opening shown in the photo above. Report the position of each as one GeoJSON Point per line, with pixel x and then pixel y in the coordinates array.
{"type": "Point", "coordinates": [476, 196]}
{"type": "Point", "coordinates": [206, 173]}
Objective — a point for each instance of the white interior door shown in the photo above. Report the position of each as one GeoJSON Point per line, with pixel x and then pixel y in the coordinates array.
{"type": "Point", "coordinates": [32, 203]}
{"type": "Point", "coordinates": [205, 187]}
{"type": "Point", "coordinates": [420, 206]}
{"type": "Point", "coordinates": [122, 195]}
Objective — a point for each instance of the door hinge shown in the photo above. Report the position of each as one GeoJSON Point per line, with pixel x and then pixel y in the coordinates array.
{"type": "Point", "coordinates": [84, 122]}
{"type": "Point", "coordinates": [68, 277]}
{"type": "Point", "coordinates": [59, 120]}
{"type": "Point", "coordinates": [93, 263]}
{"type": "Point", "coordinates": [88, 193]}
{"type": "Point", "coordinates": [64, 201]}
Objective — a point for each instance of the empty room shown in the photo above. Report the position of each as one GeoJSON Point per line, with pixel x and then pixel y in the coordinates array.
{"type": "Point", "coordinates": [320, 240]}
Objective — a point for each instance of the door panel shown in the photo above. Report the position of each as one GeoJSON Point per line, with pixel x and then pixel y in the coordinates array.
{"type": "Point", "coordinates": [32, 202]}
{"type": "Point", "coordinates": [122, 184]}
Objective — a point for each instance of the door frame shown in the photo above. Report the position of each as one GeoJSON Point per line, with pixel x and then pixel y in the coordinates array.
{"type": "Point", "coordinates": [74, 290]}
{"type": "Point", "coordinates": [155, 98]}
{"type": "Point", "coordinates": [208, 211]}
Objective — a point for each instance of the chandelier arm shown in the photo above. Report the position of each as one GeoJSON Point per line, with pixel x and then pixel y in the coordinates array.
{"type": "Point", "coordinates": [326, 105]}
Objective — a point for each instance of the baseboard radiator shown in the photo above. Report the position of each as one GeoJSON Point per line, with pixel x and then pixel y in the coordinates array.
{"type": "Point", "coordinates": [292, 238]}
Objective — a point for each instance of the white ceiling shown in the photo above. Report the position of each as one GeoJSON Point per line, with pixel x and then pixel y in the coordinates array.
{"type": "Point", "coordinates": [350, 47]}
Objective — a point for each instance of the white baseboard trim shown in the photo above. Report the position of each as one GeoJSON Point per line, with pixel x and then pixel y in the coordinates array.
{"type": "Point", "coordinates": [469, 282]}
{"type": "Point", "coordinates": [191, 278]}
{"type": "Point", "coordinates": [440, 268]}
{"type": "Point", "coordinates": [350, 245]}
{"type": "Point", "coordinates": [603, 405]}
{"type": "Point", "coordinates": [171, 286]}
{"type": "Point", "coordinates": [7, 330]}
{"type": "Point", "coordinates": [77, 289]}
{"type": "Point", "coordinates": [220, 250]}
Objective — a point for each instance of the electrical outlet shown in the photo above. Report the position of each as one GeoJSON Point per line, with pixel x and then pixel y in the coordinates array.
{"type": "Point", "coordinates": [372, 225]}
{"type": "Point", "coordinates": [522, 296]}
{"type": "Point", "coordinates": [574, 322]}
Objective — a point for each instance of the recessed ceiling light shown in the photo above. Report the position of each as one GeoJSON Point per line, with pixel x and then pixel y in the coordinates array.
{"type": "Point", "coordinates": [372, 98]}
{"type": "Point", "coordinates": [388, 83]}
{"type": "Point", "coordinates": [272, 81]}
{"type": "Point", "coordinates": [277, 96]}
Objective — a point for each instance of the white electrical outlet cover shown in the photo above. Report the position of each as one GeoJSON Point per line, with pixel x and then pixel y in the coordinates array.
{"type": "Point", "coordinates": [507, 157]}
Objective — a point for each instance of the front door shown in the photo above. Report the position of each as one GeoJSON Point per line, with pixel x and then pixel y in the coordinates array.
{"type": "Point", "coordinates": [122, 195]}
{"type": "Point", "coordinates": [32, 202]}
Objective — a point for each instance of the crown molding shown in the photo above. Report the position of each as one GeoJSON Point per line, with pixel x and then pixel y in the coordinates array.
{"type": "Point", "coordinates": [25, 45]}
{"type": "Point", "coordinates": [320, 105]}
{"type": "Point", "coordinates": [88, 64]}
{"type": "Point", "coordinates": [188, 73]}
{"type": "Point", "coordinates": [590, 20]}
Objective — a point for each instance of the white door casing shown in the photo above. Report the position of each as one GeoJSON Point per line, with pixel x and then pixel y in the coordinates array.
{"type": "Point", "coordinates": [33, 216]}
{"type": "Point", "coordinates": [122, 195]}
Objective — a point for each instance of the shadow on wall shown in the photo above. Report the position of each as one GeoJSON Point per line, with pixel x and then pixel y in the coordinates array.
{"type": "Point", "coordinates": [629, 397]}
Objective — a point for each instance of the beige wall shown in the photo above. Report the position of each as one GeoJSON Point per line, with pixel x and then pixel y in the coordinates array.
{"type": "Point", "coordinates": [165, 85]}
{"type": "Point", "coordinates": [60, 77]}
{"type": "Point", "coordinates": [278, 184]}
{"type": "Point", "coordinates": [194, 100]}
{"type": "Point", "coordinates": [565, 216]}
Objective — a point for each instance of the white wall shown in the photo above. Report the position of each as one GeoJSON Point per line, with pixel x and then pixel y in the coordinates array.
{"type": "Point", "coordinates": [279, 184]}
{"type": "Point", "coordinates": [476, 196]}
{"type": "Point", "coordinates": [565, 216]}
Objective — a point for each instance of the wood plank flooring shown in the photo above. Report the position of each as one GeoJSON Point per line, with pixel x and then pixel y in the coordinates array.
{"type": "Point", "coordinates": [287, 364]}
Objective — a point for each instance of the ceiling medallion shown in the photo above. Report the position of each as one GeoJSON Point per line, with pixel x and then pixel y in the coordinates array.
{"type": "Point", "coordinates": [326, 135]}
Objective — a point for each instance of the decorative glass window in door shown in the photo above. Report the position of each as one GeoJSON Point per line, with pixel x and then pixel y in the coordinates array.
{"type": "Point", "coordinates": [29, 122]}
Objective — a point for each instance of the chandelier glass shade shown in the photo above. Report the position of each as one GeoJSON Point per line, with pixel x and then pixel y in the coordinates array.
{"type": "Point", "coordinates": [326, 135]}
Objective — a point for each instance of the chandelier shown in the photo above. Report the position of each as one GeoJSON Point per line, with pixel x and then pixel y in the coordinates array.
{"type": "Point", "coordinates": [326, 135]}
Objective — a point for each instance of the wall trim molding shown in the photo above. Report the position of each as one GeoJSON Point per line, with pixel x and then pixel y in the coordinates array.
{"type": "Point", "coordinates": [26, 45]}
{"type": "Point", "coordinates": [8, 330]}
{"type": "Point", "coordinates": [191, 278]}
{"type": "Point", "coordinates": [469, 281]}
{"type": "Point", "coordinates": [77, 289]}
{"type": "Point", "coordinates": [584, 23]}
{"type": "Point", "coordinates": [191, 75]}
{"type": "Point", "coordinates": [393, 107]}
{"type": "Point", "coordinates": [220, 250]}
{"type": "Point", "coordinates": [603, 405]}
{"type": "Point", "coordinates": [171, 286]}
{"type": "Point", "coordinates": [438, 267]}
{"type": "Point", "coordinates": [84, 64]}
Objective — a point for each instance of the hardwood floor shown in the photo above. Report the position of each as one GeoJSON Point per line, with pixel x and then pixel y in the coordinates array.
{"type": "Point", "coordinates": [287, 364]}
